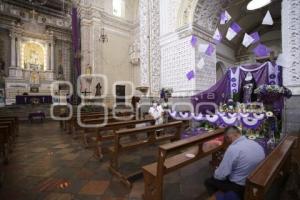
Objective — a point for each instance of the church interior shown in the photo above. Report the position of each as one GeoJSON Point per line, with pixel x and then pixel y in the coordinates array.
{"type": "Point", "coordinates": [149, 99]}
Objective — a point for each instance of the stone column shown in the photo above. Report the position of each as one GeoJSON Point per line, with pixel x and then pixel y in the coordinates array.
{"type": "Point", "coordinates": [48, 57]}
{"type": "Point", "coordinates": [18, 52]}
{"type": "Point", "coordinates": [150, 45]}
{"type": "Point", "coordinates": [290, 44]}
{"type": "Point", "coordinates": [144, 42]}
{"type": "Point", "coordinates": [13, 50]}
{"type": "Point", "coordinates": [291, 71]}
{"type": "Point", "coordinates": [51, 67]}
{"type": "Point", "coordinates": [155, 52]}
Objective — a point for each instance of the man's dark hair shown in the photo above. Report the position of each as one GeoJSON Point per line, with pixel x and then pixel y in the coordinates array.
{"type": "Point", "coordinates": [232, 128]}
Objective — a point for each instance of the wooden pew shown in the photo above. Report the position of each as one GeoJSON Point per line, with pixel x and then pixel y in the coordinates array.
{"type": "Point", "coordinates": [152, 138]}
{"type": "Point", "coordinates": [107, 132]}
{"type": "Point", "coordinates": [11, 132]}
{"type": "Point", "coordinates": [93, 124]}
{"type": "Point", "coordinates": [276, 164]}
{"type": "Point", "coordinates": [72, 122]}
{"type": "Point", "coordinates": [15, 120]}
{"type": "Point", "coordinates": [4, 142]}
{"type": "Point", "coordinates": [92, 119]}
{"type": "Point", "coordinates": [174, 156]}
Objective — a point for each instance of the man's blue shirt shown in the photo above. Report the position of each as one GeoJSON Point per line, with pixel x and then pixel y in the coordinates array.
{"type": "Point", "coordinates": [240, 159]}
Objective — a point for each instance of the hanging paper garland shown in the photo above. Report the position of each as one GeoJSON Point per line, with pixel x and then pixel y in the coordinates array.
{"type": "Point", "coordinates": [232, 115]}
{"type": "Point", "coordinates": [229, 120]}
{"type": "Point", "coordinates": [198, 117]}
{"type": "Point", "coordinates": [212, 118]}
{"type": "Point", "coordinates": [251, 123]}
{"type": "Point", "coordinates": [244, 114]}
{"type": "Point", "coordinates": [173, 114]}
{"type": "Point", "coordinates": [185, 116]}
{"type": "Point", "coordinates": [221, 113]}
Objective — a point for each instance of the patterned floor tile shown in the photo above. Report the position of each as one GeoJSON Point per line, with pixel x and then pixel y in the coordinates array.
{"type": "Point", "coordinates": [69, 156]}
{"type": "Point", "coordinates": [59, 196]}
{"type": "Point", "coordinates": [94, 188]}
{"type": "Point", "coordinates": [48, 164]}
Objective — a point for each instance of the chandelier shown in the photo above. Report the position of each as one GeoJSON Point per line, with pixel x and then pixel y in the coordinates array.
{"type": "Point", "coordinates": [103, 37]}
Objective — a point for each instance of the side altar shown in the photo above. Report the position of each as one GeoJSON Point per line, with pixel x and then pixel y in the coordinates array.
{"type": "Point", "coordinates": [32, 70]}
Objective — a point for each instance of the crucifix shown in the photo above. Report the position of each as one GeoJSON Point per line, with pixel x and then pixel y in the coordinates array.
{"type": "Point", "coordinates": [34, 13]}
{"type": "Point", "coordinates": [85, 92]}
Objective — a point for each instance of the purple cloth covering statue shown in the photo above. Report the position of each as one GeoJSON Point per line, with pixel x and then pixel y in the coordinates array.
{"type": "Point", "coordinates": [221, 92]}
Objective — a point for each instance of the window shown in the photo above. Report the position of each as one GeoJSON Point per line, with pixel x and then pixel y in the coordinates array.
{"type": "Point", "coordinates": [119, 8]}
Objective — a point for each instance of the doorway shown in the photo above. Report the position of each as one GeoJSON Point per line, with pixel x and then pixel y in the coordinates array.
{"type": "Point", "coordinates": [120, 94]}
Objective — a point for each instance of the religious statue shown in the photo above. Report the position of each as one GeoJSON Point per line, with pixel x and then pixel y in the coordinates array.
{"type": "Point", "coordinates": [98, 89]}
{"type": "Point", "coordinates": [60, 75]}
{"type": "Point", "coordinates": [248, 87]}
{"type": "Point", "coordinates": [2, 73]}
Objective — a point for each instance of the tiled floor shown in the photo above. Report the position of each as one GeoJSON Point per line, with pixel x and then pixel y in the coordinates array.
{"type": "Point", "coordinates": [47, 164]}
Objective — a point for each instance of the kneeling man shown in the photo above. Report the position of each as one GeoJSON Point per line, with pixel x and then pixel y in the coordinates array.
{"type": "Point", "coordinates": [240, 159]}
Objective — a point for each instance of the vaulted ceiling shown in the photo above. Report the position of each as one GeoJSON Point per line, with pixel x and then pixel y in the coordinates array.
{"type": "Point", "coordinates": [51, 7]}
{"type": "Point", "coordinates": [250, 21]}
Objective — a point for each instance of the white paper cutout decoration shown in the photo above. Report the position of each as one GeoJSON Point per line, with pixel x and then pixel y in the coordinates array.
{"type": "Point", "coordinates": [233, 30]}
{"type": "Point", "coordinates": [268, 20]}
{"type": "Point", "coordinates": [202, 47]}
{"type": "Point", "coordinates": [225, 17]}
{"type": "Point", "coordinates": [247, 41]}
{"type": "Point", "coordinates": [200, 64]}
{"type": "Point", "coordinates": [217, 36]}
{"type": "Point", "coordinates": [230, 34]}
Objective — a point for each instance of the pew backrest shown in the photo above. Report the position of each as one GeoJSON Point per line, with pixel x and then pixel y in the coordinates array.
{"type": "Point", "coordinates": [168, 163]}
{"type": "Point", "coordinates": [4, 131]}
{"type": "Point", "coordinates": [274, 165]}
{"type": "Point", "coordinates": [123, 124]}
{"type": "Point", "coordinates": [175, 155]}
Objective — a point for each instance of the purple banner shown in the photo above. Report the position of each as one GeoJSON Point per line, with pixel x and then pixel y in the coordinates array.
{"type": "Point", "coordinates": [76, 41]}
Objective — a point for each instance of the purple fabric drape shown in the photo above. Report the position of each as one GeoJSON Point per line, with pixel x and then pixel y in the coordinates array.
{"type": "Point", "coordinates": [76, 41]}
{"type": "Point", "coordinates": [220, 92]}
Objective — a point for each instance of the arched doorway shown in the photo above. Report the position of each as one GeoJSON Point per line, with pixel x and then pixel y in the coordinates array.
{"type": "Point", "coordinates": [220, 68]}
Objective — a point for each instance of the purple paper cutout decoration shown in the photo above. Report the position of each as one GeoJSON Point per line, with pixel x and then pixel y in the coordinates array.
{"type": "Point", "coordinates": [261, 50]}
{"type": "Point", "coordinates": [224, 17]}
{"type": "Point", "coordinates": [194, 41]}
{"type": "Point", "coordinates": [190, 75]}
{"type": "Point", "coordinates": [255, 36]}
{"type": "Point", "coordinates": [217, 36]}
{"type": "Point", "coordinates": [234, 26]}
{"type": "Point", "coordinates": [210, 50]}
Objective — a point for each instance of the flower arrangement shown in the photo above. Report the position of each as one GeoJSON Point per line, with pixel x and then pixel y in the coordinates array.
{"type": "Point", "coordinates": [272, 92]}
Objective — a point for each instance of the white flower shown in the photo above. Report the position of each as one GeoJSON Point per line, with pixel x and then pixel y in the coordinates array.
{"type": "Point", "coordinates": [252, 137]}
{"type": "Point", "coordinates": [269, 114]}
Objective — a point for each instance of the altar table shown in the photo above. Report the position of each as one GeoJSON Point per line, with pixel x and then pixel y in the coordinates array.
{"type": "Point", "coordinates": [30, 99]}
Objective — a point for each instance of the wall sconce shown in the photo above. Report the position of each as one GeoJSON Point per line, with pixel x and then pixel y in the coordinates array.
{"type": "Point", "coordinates": [103, 37]}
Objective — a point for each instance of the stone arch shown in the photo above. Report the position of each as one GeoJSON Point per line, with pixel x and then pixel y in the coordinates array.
{"type": "Point", "coordinates": [220, 70]}
{"type": "Point", "coordinates": [206, 15]}
{"type": "Point", "coordinates": [201, 13]}
{"type": "Point", "coordinates": [185, 13]}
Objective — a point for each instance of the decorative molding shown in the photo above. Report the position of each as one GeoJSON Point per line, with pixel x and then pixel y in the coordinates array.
{"type": "Point", "coordinates": [144, 42]}
{"type": "Point", "coordinates": [206, 15]}
{"type": "Point", "coordinates": [155, 53]}
{"type": "Point", "coordinates": [290, 43]}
